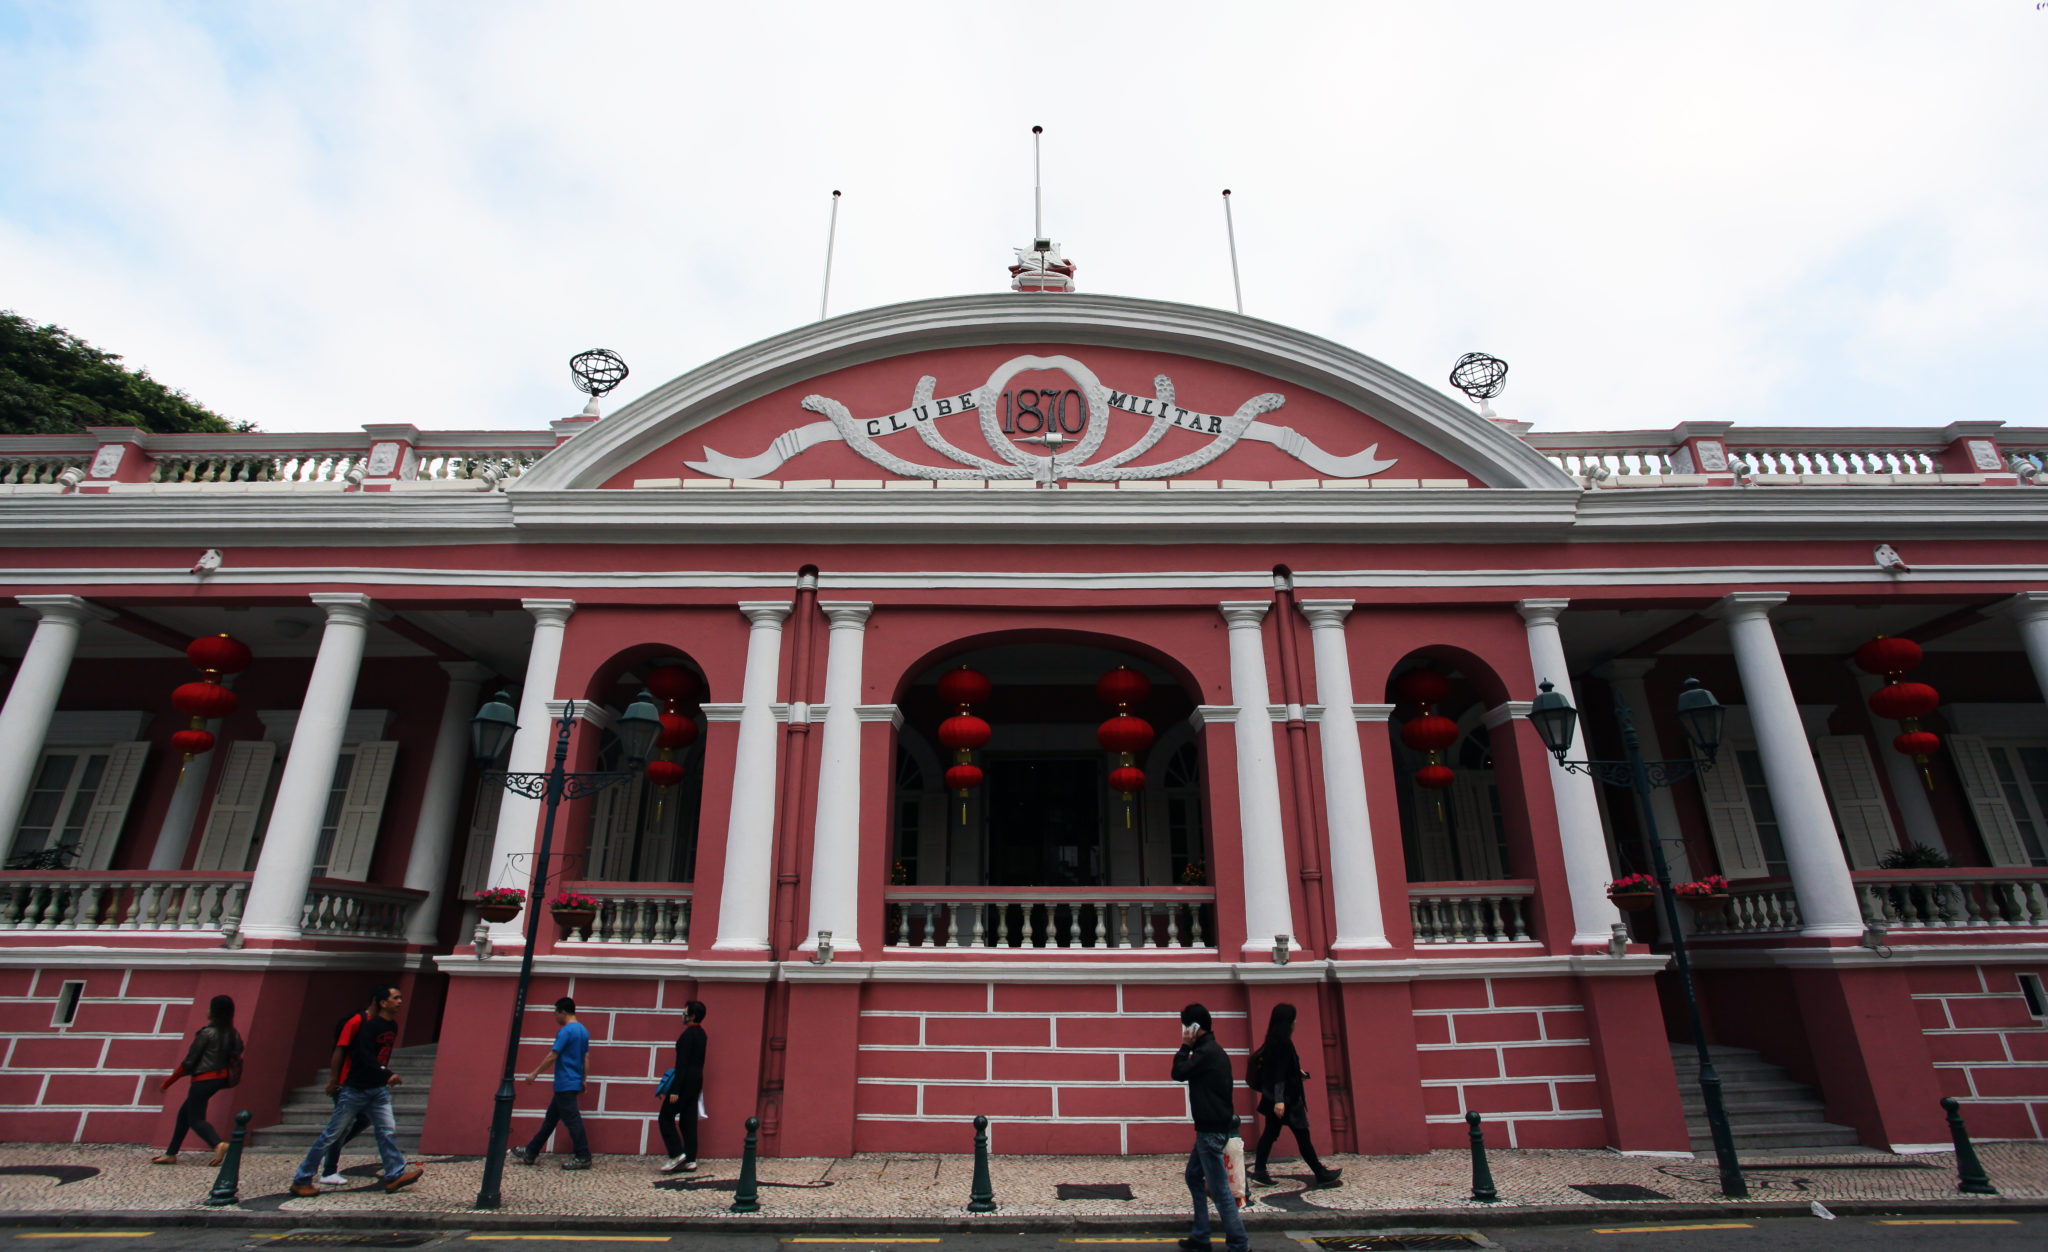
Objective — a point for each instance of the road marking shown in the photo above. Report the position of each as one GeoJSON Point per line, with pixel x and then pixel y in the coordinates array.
{"type": "Point", "coordinates": [1653, 1230]}
{"type": "Point", "coordinates": [579, 1238]}
{"type": "Point", "coordinates": [856, 1239]}
{"type": "Point", "coordinates": [1949, 1221]}
{"type": "Point", "coordinates": [1123, 1241]}
{"type": "Point", "coordinates": [85, 1234]}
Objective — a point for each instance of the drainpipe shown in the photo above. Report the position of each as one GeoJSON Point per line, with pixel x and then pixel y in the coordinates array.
{"type": "Point", "coordinates": [1306, 828]}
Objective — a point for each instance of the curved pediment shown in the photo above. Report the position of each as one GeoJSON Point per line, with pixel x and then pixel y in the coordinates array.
{"type": "Point", "coordinates": [1073, 387]}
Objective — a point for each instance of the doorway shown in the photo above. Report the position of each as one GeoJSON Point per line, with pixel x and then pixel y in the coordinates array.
{"type": "Point", "coordinates": [1045, 822]}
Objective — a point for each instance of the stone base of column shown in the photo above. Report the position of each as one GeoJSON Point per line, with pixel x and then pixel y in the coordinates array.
{"type": "Point", "coordinates": [818, 1091]}
{"type": "Point", "coordinates": [1632, 1059]}
{"type": "Point", "coordinates": [1387, 1114]}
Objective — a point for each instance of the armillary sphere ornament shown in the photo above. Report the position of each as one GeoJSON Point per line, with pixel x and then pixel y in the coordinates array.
{"type": "Point", "coordinates": [597, 371]}
{"type": "Point", "coordinates": [1481, 378]}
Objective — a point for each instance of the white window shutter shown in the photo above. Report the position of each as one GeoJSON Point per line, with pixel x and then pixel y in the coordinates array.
{"type": "Point", "coordinates": [103, 821]}
{"type": "Point", "coordinates": [237, 805]}
{"type": "Point", "coordinates": [362, 810]}
{"type": "Point", "coordinates": [658, 849]}
{"type": "Point", "coordinates": [1860, 811]}
{"type": "Point", "coordinates": [1987, 799]}
{"type": "Point", "coordinates": [1432, 834]}
{"type": "Point", "coordinates": [612, 821]}
{"type": "Point", "coordinates": [1736, 842]}
{"type": "Point", "coordinates": [1471, 806]}
{"type": "Point", "coordinates": [483, 836]}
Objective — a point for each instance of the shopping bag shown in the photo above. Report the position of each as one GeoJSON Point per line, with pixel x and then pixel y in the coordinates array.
{"type": "Point", "coordinates": [701, 1114]}
{"type": "Point", "coordinates": [1233, 1164]}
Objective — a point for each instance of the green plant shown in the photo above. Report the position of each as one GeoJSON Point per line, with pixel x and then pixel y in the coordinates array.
{"type": "Point", "coordinates": [1915, 856]}
{"type": "Point", "coordinates": [573, 902]}
{"type": "Point", "coordinates": [501, 895]}
{"type": "Point", "coordinates": [1711, 885]}
{"type": "Point", "coordinates": [1632, 884]}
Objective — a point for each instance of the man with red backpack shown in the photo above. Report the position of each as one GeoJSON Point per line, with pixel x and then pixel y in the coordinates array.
{"type": "Point", "coordinates": [361, 1085]}
{"type": "Point", "coordinates": [330, 1169]}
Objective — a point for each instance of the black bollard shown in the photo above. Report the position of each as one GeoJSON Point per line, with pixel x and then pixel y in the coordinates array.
{"type": "Point", "coordinates": [227, 1185]}
{"type": "Point", "coordinates": [1970, 1176]}
{"type": "Point", "coordinates": [1482, 1177]}
{"type": "Point", "coordinates": [747, 1197]}
{"type": "Point", "coordinates": [981, 1198]}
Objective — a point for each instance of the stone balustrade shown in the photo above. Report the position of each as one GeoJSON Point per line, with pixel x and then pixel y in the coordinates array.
{"type": "Point", "coordinates": [337, 908]}
{"type": "Point", "coordinates": [635, 913]}
{"type": "Point", "coordinates": [1756, 906]}
{"type": "Point", "coordinates": [1134, 918]}
{"type": "Point", "coordinates": [1946, 898]}
{"type": "Point", "coordinates": [139, 902]}
{"type": "Point", "coordinates": [1471, 912]}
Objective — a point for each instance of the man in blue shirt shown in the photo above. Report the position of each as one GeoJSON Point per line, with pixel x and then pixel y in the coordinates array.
{"type": "Point", "coordinates": [572, 1040]}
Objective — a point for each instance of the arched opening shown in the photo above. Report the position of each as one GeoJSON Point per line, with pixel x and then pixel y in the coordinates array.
{"type": "Point", "coordinates": [1046, 851]}
{"type": "Point", "coordinates": [1458, 831]}
{"type": "Point", "coordinates": [640, 831]}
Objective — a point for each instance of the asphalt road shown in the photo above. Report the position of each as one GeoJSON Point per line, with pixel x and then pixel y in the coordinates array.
{"type": "Point", "coordinates": [2018, 1233]}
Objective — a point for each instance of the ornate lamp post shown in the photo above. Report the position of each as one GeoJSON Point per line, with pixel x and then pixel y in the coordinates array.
{"type": "Point", "coordinates": [1701, 715]}
{"type": "Point", "coordinates": [491, 732]}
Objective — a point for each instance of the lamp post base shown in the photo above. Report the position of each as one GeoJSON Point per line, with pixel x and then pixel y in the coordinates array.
{"type": "Point", "coordinates": [491, 1193]}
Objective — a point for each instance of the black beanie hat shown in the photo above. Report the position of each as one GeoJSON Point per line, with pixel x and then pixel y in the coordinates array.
{"type": "Point", "coordinates": [1196, 1015]}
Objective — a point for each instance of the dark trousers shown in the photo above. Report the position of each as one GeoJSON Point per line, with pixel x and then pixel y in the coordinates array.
{"type": "Point", "coordinates": [677, 1123]}
{"type": "Point", "coordinates": [562, 1109]}
{"type": "Point", "coordinates": [1297, 1121]}
{"type": "Point", "coordinates": [332, 1165]}
{"type": "Point", "coordinates": [192, 1115]}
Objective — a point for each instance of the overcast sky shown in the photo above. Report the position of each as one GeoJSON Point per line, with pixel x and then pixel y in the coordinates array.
{"type": "Point", "coordinates": [314, 216]}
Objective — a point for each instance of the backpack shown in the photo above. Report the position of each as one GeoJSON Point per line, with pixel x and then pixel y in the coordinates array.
{"type": "Point", "coordinates": [1255, 1071]}
{"type": "Point", "coordinates": [235, 1048]}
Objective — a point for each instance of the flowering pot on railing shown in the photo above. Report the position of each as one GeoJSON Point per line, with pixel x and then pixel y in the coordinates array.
{"type": "Point", "coordinates": [1708, 896]}
{"type": "Point", "coordinates": [573, 910]}
{"type": "Point", "coordinates": [500, 904]}
{"type": "Point", "coordinates": [1634, 893]}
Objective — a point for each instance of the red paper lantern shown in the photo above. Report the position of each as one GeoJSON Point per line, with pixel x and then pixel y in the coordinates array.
{"type": "Point", "coordinates": [673, 682]}
{"type": "Point", "coordinates": [1124, 733]}
{"type": "Point", "coordinates": [204, 700]}
{"type": "Point", "coordinates": [1903, 701]}
{"type": "Point", "coordinates": [1435, 777]}
{"type": "Point", "coordinates": [964, 686]}
{"type": "Point", "coordinates": [1429, 733]}
{"type": "Point", "coordinates": [1421, 686]}
{"type": "Point", "coordinates": [664, 773]}
{"type": "Point", "coordinates": [192, 742]}
{"type": "Point", "coordinates": [964, 733]}
{"type": "Point", "coordinates": [678, 730]}
{"type": "Point", "coordinates": [1122, 687]}
{"type": "Point", "coordinates": [220, 653]}
{"type": "Point", "coordinates": [1917, 743]}
{"type": "Point", "coordinates": [1887, 655]}
{"type": "Point", "coordinates": [1128, 779]}
{"type": "Point", "coordinates": [963, 779]}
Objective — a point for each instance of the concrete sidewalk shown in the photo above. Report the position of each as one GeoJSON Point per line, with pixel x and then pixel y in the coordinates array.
{"type": "Point", "coordinates": [86, 1184]}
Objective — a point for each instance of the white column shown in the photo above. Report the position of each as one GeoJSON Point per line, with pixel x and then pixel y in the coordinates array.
{"type": "Point", "coordinates": [25, 719]}
{"type": "Point", "coordinates": [174, 835]}
{"type": "Point", "coordinates": [2030, 610]}
{"type": "Point", "coordinates": [1268, 908]}
{"type": "Point", "coordinates": [433, 836]}
{"type": "Point", "coordinates": [1908, 788]}
{"type": "Point", "coordinates": [284, 868]}
{"type": "Point", "coordinates": [750, 833]}
{"type": "Point", "coordinates": [835, 844]}
{"type": "Point", "coordinates": [1813, 849]}
{"type": "Point", "coordinates": [532, 749]}
{"type": "Point", "coordinates": [1627, 676]}
{"type": "Point", "coordinates": [1579, 831]}
{"type": "Point", "coordinates": [1354, 875]}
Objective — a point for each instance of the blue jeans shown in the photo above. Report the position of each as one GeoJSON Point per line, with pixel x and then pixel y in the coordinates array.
{"type": "Point", "coordinates": [1208, 1176]}
{"type": "Point", "coordinates": [373, 1103]}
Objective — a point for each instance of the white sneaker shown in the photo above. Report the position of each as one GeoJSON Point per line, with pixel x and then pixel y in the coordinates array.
{"type": "Point", "coordinates": [673, 1164]}
{"type": "Point", "coordinates": [689, 1167]}
{"type": "Point", "coordinates": [335, 1180]}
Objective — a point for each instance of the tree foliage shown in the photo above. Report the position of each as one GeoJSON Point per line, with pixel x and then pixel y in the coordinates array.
{"type": "Point", "coordinates": [52, 382]}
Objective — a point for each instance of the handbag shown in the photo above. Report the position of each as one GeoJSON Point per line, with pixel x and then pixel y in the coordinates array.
{"type": "Point", "coordinates": [666, 1085]}
{"type": "Point", "coordinates": [701, 1114]}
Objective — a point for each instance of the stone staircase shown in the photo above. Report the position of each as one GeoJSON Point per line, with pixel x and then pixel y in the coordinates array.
{"type": "Point", "coordinates": [308, 1108]}
{"type": "Point", "coordinates": [1766, 1107]}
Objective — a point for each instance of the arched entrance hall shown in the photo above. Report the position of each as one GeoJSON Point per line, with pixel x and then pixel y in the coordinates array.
{"type": "Point", "coordinates": [1046, 851]}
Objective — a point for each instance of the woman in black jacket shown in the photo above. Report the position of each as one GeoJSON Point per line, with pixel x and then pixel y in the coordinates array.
{"type": "Point", "coordinates": [1282, 1097]}
{"type": "Point", "coordinates": [680, 1104]}
{"type": "Point", "coordinates": [213, 1061]}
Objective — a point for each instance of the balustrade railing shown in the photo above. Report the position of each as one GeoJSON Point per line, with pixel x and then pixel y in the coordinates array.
{"type": "Point", "coordinates": [1910, 462]}
{"type": "Point", "coordinates": [1755, 906]}
{"type": "Point", "coordinates": [37, 900]}
{"type": "Point", "coordinates": [639, 913]}
{"type": "Point", "coordinates": [1471, 912]}
{"type": "Point", "coordinates": [1135, 918]}
{"type": "Point", "coordinates": [1944, 898]}
{"type": "Point", "coordinates": [351, 910]}
{"type": "Point", "coordinates": [21, 471]}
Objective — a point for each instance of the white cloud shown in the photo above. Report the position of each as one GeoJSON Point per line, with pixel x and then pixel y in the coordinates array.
{"type": "Point", "coordinates": [320, 216]}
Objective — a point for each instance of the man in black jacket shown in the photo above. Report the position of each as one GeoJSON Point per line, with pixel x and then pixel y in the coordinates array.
{"type": "Point", "coordinates": [1202, 1065]}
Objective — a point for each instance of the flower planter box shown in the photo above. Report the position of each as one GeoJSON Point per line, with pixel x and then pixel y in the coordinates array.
{"type": "Point", "coordinates": [571, 920]}
{"type": "Point", "coordinates": [498, 912]}
{"type": "Point", "coordinates": [1633, 901]}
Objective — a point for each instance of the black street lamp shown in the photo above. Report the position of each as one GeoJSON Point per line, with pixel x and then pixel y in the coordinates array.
{"type": "Point", "coordinates": [491, 732]}
{"type": "Point", "coordinates": [1701, 715]}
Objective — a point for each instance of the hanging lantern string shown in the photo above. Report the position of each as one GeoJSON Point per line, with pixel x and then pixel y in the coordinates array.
{"type": "Point", "coordinates": [963, 732]}
{"type": "Point", "coordinates": [1124, 735]}
{"type": "Point", "coordinates": [1890, 657]}
{"type": "Point", "coordinates": [208, 699]}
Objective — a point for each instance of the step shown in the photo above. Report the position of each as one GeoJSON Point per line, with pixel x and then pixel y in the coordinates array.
{"type": "Point", "coordinates": [1817, 1135]}
{"type": "Point", "coordinates": [1765, 1115]}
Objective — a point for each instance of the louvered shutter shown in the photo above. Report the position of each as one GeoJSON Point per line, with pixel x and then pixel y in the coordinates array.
{"type": "Point", "coordinates": [237, 805]}
{"type": "Point", "coordinates": [1860, 811]}
{"type": "Point", "coordinates": [483, 836]}
{"type": "Point", "coordinates": [1471, 808]}
{"type": "Point", "coordinates": [362, 810]}
{"type": "Point", "coordinates": [1736, 842]}
{"type": "Point", "coordinates": [1987, 799]}
{"type": "Point", "coordinates": [658, 842]}
{"type": "Point", "coordinates": [1432, 835]}
{"type": "Point", "coordinates": [103, 821]}
{"type": "Point", "coordinates": [610, 857]}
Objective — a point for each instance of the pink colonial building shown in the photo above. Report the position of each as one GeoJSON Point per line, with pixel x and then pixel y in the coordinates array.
{"type": "Point", "coordinates": [1285, 538]}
